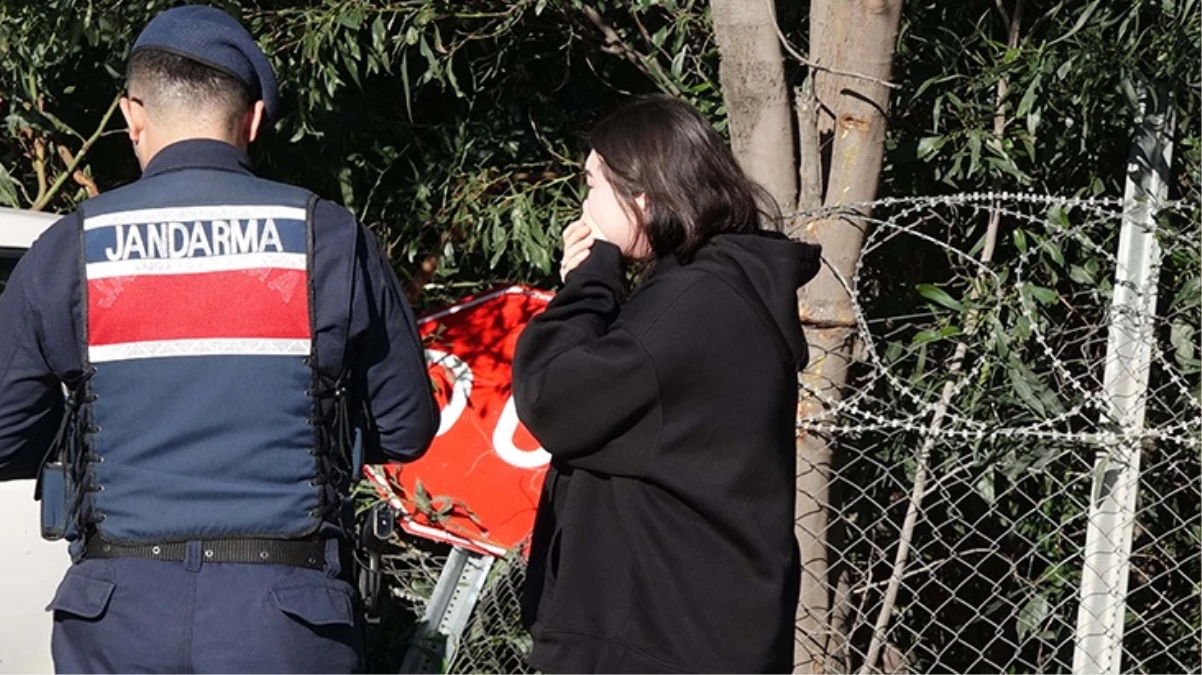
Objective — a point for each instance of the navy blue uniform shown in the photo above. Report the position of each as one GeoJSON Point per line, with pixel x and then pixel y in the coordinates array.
{"type": "Point", "coordinates": [224, 335]}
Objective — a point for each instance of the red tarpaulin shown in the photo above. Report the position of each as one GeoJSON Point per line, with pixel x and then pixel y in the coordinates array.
{"type": "Point", "coordinates": [483, 458]}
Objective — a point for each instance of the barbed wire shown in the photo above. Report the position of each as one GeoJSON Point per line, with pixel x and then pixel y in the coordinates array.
{"type": "Point", "coordinates": [850, 407]}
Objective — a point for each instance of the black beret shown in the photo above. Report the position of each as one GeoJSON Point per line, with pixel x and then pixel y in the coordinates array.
{"type": "Point", "coordinates": [210, 36]}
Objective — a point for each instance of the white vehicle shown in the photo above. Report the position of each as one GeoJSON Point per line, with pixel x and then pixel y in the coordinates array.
{"type": "Point", "coordinates": [30, 567]}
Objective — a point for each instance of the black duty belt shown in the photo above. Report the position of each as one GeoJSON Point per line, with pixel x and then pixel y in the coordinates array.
{"type": "Point", "coordinates": [294, 552]}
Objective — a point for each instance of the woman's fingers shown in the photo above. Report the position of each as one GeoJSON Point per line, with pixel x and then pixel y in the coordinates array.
{"type": "Point", "coordinates": [576, 258]}
{"type": "Point", "coordinates": [592, 226]}
{"type": "Point", "coordinates": [575, 232]}
{"type": "Point", "coordinates": [576, 250]}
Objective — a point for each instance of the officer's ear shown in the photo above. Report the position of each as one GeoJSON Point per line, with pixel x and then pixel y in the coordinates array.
{"type": "Point", "coordinates": [253, 121]}
{"type": "Point", "coordinates": [137, 121]}
{"type": "Point", "coordinates": [135, 117]}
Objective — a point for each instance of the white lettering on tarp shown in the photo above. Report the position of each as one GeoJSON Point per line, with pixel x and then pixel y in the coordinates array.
{"type": "Point", "coordinates": [179, 240]}
{"type": "Point", "coordinates": [461, 386]}
{"type": "Point", "coordinates": [502, 441]}
{"type": "Point", "coordinates": [462, 378]}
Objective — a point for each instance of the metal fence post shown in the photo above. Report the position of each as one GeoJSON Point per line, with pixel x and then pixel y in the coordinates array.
{"type": "Point", "coordinates": [437, 637]}
{"type": "Point", "coordinates": [1101, 615]}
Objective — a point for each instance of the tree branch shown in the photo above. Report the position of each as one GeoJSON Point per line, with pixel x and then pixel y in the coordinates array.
{"type": "Point", "coordinates": [614, 44]}
{"type": "Point", "coordinates": [1001, 8]}
{"type": "Point", "coordinates": [918, 492]}
{"type": "Point", "coordinates": [1047, 16]}
{"type": "Point", "coordinates": [809, 195]}
{"type": "Point", "coordinates": [39, 166]}
{"type": "Point", "coordinates": [784, 43]}
{"type": "Point", "coordinates": [83, 151]}
{"type": "Point", "coordinates": [921, 472]}
{"type": "Point", "coordinates": [84, 180]}
{"type": "Point", "coordinates": [1014, 31]}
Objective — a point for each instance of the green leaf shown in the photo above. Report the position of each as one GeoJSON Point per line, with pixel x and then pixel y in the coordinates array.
{"type": "Point", "coordinates": [1190, 294]}
{"type": "Point", "coordinates": [377, 32]}
{"type": "Point", "coordinates": [1021, 387]}
{"type": "Point", "coordinates": [421, 497]}
{"type": "Point", "coordinates": [1065, 68]}
{"type": "Point", "coordinates": [1044, 296]}
{"type": "Point", "coordinates": [1032, 615]}
{"type": "Point", "coordinates": [1054, 251]}
{"type": "Point", "coordinates": [1181, 336]}
{"type": "Point", "coordinates": [929, 146]}
{"type": "Point", "coordinates": [678, 64]}
{"type": "Point", "coordinates": [1033, 119]}
{"type": "Point", "coordinates": [974, 149]}
{"type": "Point", "coordinates": [346, 185]}
{"type": "Point", "coordinates": [933, 81]}
{"type": "Point", "coordinates": [1058, 218]}
{"type": "Point", "coordinates": [1082, 18]}
{"type": "Point", "coordinates": [1029, 96]}
{"type": "Point", "coordinates": [1020, 240]}
{"type": "Point", "coordinates": [932, 334]}
{"type": "Point", "coordinates": [8, 189]}
{"type": "Point", "coordinates": [405, 86]}
{"type": "Point", "coordinates": [1081, 275]}
{"type": "Point", "coordinates": [985, 487]}
{"type": "Point", "coordinates": [924, 336]}
{"type": "Point", "coordinates": [1128, 89]}
{"type": "Point", "coordinates": [939, 296]}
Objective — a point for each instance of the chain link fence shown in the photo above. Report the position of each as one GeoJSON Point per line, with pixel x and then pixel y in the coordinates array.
{"type": "Point", "coordinates": [968, 443]}
{"type": "Point", "coordinates": [494, 641]}
{"type": "Point", "coordinates": [976, 430]}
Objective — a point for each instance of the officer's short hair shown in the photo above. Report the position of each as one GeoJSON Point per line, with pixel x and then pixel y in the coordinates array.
{"type": "Point", "coordinates": [170, 84]}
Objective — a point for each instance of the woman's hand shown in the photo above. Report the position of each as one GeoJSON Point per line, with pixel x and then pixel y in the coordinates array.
{"type": "Point", "coordinates": [578, 240]}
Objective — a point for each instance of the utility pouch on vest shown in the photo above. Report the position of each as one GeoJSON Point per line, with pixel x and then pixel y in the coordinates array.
{"type": "Point", "coordinates": [54, 495]}
{"type": "Point", "coordinates": [54, 486]}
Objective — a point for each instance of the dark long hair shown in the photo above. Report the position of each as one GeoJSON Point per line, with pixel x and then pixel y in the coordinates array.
{"type": "Point", "coordinates": [665, 149]}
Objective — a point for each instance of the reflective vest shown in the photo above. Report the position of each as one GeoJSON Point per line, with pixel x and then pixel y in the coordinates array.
{"type": "Point", "coordinates": [201, 416]}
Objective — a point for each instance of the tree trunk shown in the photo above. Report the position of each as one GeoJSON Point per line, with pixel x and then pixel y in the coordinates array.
{"type": "Point", "coordinates": [757, 103]}
{"type": "Point", "coordinates": [856, 36]}
{"type": "Point", "coordinates": [845, 115]}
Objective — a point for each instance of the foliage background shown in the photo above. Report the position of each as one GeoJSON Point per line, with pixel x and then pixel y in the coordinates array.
{"type": "Point", "coordinates": [456, 131]}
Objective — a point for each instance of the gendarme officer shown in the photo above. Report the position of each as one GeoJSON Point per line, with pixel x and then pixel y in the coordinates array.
{"type": "Point", "coordinates": [224, 341]}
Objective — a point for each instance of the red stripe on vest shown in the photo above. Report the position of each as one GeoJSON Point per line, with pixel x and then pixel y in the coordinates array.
{"type": "Point", "coordinates": [255, 303]}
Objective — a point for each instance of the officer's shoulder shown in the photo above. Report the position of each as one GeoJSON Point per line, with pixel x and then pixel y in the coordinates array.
{"type": "Point", "coordinates": [328, 212]}
{"type": "Point", "coordinates": [62, 233]}
{"type": "Point", "coordinates": [108, 200]}
{"type": "Point", "coordinates": [66, 229]}
{"type": "Point", "coordinates": [332, 220]}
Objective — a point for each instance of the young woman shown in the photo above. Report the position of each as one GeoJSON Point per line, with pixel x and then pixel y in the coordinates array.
{"type": "Point", "coordinates": [664, 538]}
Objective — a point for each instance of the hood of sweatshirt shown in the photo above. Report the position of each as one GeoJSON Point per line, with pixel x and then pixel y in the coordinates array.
{"type": "Point", "coordinates": [767, 266]}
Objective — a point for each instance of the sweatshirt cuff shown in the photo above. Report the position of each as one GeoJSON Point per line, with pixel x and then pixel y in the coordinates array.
{"type": "Point", "coordinates": [604, 262]}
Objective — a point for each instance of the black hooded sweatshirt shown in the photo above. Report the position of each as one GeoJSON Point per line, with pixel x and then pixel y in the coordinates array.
{"type": "Point", "coordinates": [664, 536]}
